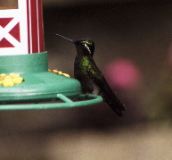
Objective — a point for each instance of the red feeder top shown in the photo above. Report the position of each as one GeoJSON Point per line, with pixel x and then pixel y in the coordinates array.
{"type": "Point", "coordinates": [21, 27]}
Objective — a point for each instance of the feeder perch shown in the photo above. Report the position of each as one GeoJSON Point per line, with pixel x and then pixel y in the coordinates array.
{"type": "Point", "coordinates": [25, 81]}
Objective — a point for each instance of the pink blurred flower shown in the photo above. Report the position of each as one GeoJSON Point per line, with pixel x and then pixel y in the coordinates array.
{"type": "Point", "coordinates": [123, 74]}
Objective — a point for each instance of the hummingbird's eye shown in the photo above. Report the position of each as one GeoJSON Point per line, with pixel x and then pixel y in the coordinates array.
{"type": "Point", "coordinates": [89, 45]}
{"type": "Point", "coordinates": [87, 42]}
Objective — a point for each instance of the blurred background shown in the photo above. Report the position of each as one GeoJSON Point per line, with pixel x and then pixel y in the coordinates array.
{"type": "Point", "coordinates": [134, 51]}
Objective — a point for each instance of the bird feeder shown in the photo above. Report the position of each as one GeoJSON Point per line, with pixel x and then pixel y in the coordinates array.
{"type": "Point", "coordinates": [25, 81]}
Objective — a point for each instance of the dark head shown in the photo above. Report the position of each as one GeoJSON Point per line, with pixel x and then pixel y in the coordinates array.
{"type": "Point", "coordinates": [83, 46]}
{"type": "Point", "coordinates": [87, 46]}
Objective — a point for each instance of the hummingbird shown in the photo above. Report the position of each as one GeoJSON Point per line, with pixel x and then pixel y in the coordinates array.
{"type": "Point", "coordinates": [89, 75]}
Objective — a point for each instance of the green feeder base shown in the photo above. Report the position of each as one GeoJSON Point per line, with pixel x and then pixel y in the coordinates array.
{"type": "Point", "coordinates": [40, 88]}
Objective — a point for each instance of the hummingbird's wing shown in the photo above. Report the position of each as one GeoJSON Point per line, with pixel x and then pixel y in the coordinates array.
{"type": "Point", "coordinates": [86, 83]}
{"type": "Point", "coordinates": [109, 96]}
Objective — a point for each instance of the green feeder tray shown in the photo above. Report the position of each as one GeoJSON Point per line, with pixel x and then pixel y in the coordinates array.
{"type": "Point", "coordinates": [40, 89]}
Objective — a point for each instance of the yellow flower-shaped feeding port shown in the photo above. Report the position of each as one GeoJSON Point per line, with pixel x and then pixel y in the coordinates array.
{"type": "Point", "coordinates": [10, 80]}
{"type": "Point", "coordinates": [55, 71]}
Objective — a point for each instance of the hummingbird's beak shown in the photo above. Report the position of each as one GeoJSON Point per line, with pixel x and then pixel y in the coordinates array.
{"type": "Point", "coordinates": [66, 38]}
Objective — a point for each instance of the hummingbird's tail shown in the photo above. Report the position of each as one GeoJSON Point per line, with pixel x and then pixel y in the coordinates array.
{"type": "Point", "coordinates": [115, 104]}
{"type": "Point", "coordinates": [110, 97]}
